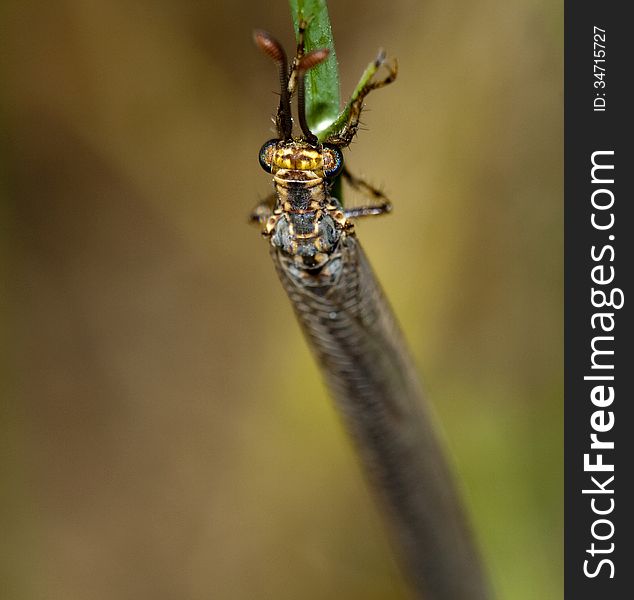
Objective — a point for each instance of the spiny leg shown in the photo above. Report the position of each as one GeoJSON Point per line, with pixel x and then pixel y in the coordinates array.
{"type": "Point", "coordinates": [382, 203]}
{"type": "Point", "coordinates": [302, 63]}
{"type": "Point", "coordinates": [260, 214]}
{"type": "Point", "coordinates": [342, 133]}
{"type": "Point", "coordinates": [301, 32]}
{"type": "Point", "coordinates": [367, 211]}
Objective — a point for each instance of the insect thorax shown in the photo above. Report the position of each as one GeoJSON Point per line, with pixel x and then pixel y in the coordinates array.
{"type": "Point", "coordinates": [307, 222]}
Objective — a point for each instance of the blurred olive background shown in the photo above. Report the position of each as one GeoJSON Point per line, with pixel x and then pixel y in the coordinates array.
{"type": "Point", "coordinates": [165, 432]}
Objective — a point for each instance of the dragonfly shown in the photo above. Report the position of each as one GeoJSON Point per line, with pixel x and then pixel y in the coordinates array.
{"type": "Point", "coordinates": [354, 335]}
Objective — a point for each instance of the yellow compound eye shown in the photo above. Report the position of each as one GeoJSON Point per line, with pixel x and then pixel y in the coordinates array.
{"type": "Point", "coordinates": [266, 155]}
{"type": "Point", "coordinates": [333, 161]}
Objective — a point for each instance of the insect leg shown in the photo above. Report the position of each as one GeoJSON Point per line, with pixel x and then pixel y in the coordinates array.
{"type": "Point", "coordinates": [263, 210]}
{"type": "Point", "coordinates": [344, 133]}
{"type": "Point", "coordinates": [381, 204]}
{"type": "Point", "coordinates": [292, 78]}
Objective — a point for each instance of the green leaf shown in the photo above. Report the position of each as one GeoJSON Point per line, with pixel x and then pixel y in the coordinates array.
{"type": "Point", "coordinates": [322, 82]}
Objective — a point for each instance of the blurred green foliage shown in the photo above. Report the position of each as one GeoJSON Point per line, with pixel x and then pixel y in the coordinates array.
{"type": "Point", "coordinates": [166, 433]}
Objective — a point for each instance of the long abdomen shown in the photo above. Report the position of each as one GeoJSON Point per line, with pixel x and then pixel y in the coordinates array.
{"type": "Point", "coordinates": [358, 345]}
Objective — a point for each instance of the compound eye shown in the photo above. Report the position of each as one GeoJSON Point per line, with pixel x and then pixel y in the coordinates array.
{"type": "Point", "coordinates": [333, 161]}
{"type": "Point", "coordinates": [266, 155]}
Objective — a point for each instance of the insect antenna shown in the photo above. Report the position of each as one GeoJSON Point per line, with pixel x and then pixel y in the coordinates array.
{"type": "Point", "coordinates": [273, 49]}
{"type": "Point", "coordinates": [308, 61]}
